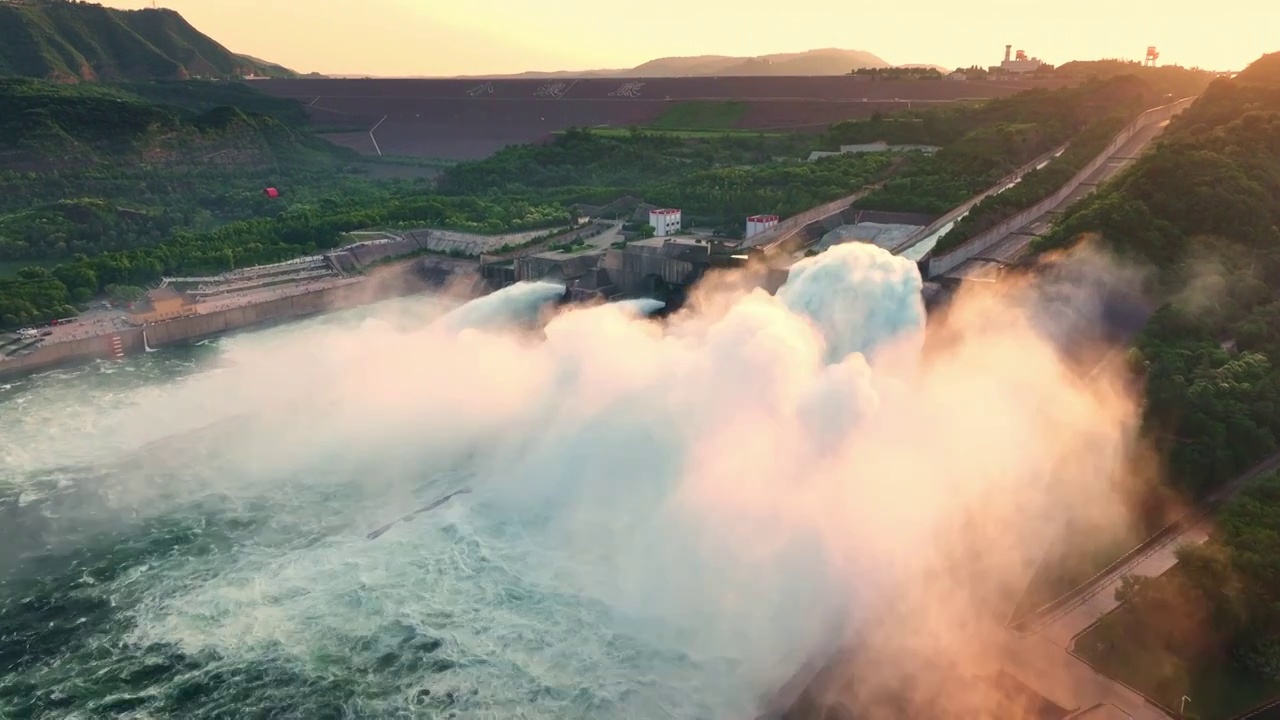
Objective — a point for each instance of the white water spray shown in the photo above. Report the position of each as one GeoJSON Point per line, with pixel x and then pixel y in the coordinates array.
{"type": "Point", "coordinates": [667, 518]}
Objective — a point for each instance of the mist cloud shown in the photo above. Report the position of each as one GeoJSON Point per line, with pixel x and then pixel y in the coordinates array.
{"type": "Point", "coordinates": [748, 482]}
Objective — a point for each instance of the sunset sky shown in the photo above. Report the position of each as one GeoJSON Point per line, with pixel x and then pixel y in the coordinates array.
{"type": "Point", "coordinates": [443, 37]}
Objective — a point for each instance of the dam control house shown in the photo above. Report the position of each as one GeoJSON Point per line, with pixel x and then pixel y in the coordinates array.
{"type": "Point", "coordinates": [165, 303]}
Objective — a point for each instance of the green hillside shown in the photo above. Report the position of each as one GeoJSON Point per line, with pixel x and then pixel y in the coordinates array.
{"type": "Point", "coordinates": [113, 184]}
{"type": "Point", "coordinates": [1199, 213]}
{"type": "Point", "coordinates": [1200, 210]}
{"type": "Point", "coordinates": [69, 41]}
{"type": "Point", "coordinates": [49, 126]}
{"type": "Point", "coordinates": [90, 167]}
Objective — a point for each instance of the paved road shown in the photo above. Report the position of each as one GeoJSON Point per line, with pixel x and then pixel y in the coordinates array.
{"type": "Point", "coordinates": [88, 326]}
{"type": "Point", "coordinates": [1068, 681]}
{"type": "Point", "coordinates": [92, 323]}
{"type": "Point", "coordinates": [1062, 627]}
{"type": "Point", "coordinates": [1042, 659]}
{"type": "Point", "coordinates": [261, 295]}
{"type": "Point", "coordinates": [607, 238]}
{"type": "Point", "coordinates": [1017, 242]}
{"type": "Point", "coordinates": [1096, 596]}
{"type": "Point", "coordinates": [599, 242]}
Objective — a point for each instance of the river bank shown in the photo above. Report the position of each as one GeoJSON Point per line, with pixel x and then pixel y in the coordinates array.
{"type": "Point", "coordinates": [432, 274]}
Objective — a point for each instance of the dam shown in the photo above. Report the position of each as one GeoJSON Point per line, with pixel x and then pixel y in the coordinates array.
{"type": "Point", "coordinates": [662, 269]}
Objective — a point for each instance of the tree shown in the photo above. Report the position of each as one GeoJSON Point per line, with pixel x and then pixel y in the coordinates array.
{"type": "Point", "coordinates": [124, 293]}
{"type": "Point", "coordinates": [34, 273]}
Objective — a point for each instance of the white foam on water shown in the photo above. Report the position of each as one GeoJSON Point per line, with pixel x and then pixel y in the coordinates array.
{"type": "Point", "coordinates": [667, 518]}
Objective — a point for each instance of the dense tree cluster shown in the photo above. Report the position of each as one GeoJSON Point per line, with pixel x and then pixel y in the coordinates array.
{"type": "Point", "coordinates": [39, 294]}
{"type": "Point", "coordinates": [108, 188]}
{"type": "Point", "coordinates": [93, 168]}
{"type": "Point", "coordinates": [898, 73]}
{"type": "Point", "coordinates": [715, 181]}
{"type": "Point", "coordinates": [1037, 184]}
{"type": "Point", "coordinates": [1200, 209]}
{"type": "Point", "coordinates": [983, 143]}
{"type": "Point", "coordinates": [122, 183]}
{"type": "Point", "coordinates": [580, 158]}
{"type": "Point", "coordinates": [127, 227]}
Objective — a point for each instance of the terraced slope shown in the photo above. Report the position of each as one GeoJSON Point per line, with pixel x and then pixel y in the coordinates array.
{"type": "Point", "coordinates": [464, 119]}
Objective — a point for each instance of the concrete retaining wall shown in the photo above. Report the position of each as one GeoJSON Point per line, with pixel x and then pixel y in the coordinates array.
{"type": "Point", "coordinates": [188, 329]}
{"type": "Point", "coordinates": [945, 263]}
{"type": "Point", "coordinates": [409, 242]}
{"type": "Point", "coordinates": [65, 353]}
{"type": "Point", "coordinates": [392, 282]}
{"type": "Point", "coordinates": [217, 323]}
{"type": "Point", "coordinates": [793, 225]}
{"type": "Point", "coordinates": [963, 209]}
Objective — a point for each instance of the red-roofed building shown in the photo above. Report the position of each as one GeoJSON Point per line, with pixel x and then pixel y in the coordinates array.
{"type": "Point", "coordinates": [665, 221]}
{"type": "Point", "coordinates": [757, 224]}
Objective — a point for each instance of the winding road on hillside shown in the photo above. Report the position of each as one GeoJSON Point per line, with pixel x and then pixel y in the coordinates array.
{"type": "Point", "coordinates": [1016, 243]}
{"type": "Point", "coordinates": [1067, 617]}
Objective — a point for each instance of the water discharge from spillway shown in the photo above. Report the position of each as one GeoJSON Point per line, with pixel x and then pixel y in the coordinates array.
{"type": "Point", "coordinates": [666, 519]}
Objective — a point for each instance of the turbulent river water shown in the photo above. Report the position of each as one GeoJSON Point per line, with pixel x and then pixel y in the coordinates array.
{"type": "Point", "coordinates": [150, 572]}
{"type": "Point", "coordinates": [185, 532]}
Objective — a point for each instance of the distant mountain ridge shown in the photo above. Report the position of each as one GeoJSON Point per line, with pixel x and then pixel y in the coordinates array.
{"type": "Point", "coordinates": [826, 61]}
{"type": "Point", "coordinates": [72, 41]}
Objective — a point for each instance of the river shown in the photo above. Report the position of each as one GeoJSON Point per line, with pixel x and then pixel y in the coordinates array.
{"type": "Point", "coordinates": [186, 536]}
{"type": "Point", "coordinates": [664, 519]}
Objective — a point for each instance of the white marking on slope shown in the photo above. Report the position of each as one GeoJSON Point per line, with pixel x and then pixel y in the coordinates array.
{"type": "Point", "coordinates": [374, 139]}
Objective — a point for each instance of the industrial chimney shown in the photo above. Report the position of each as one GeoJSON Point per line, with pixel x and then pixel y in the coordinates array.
{"type": "Point", "coordinates": [1007, 49]}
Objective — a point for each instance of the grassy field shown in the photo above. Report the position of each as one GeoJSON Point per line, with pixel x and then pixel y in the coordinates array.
{"type": "Point", "coordinates": [1217, 690]}
{"type": "Point", "coordinates": [702, 116]}
{"type": "Point", "coordinates": [1216, 686]}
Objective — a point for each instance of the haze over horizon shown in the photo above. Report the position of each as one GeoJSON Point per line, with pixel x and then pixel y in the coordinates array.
{"type": "Point", "coordinates": [407, 37]}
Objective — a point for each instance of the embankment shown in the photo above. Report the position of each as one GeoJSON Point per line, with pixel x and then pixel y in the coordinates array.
{"type": "Point", "coordinates": [421, 275]}
{"type": "Point", "coordinates": [199, 327]}
{"type": "Point", "coordinates": [801, 228]}
{"type": "Point", "coordinates": [940, 264]}
{"type": "Point", "coordinates": [940, 225]}
{"type": "Point", "coordinates": [468, 119]}
{"type": "Point", "coordinates": [63, 353]}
